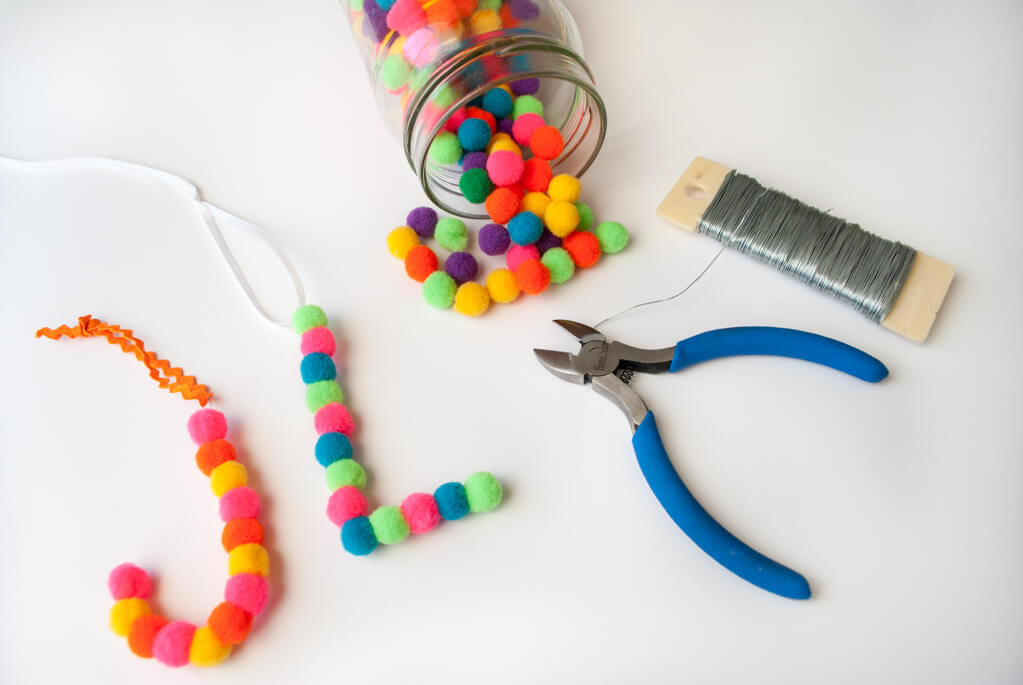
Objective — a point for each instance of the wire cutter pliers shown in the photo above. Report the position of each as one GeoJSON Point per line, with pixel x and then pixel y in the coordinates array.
{"type": "Point", "coordinates": [609, 366]}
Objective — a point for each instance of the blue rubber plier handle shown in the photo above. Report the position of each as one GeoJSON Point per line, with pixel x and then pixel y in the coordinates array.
{"type": "Point", "coordinates": [609, 366]}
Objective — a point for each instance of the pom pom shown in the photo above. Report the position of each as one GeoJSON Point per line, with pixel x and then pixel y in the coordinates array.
{"type": "Point", "coordinates": [565, 187]}
{"type": "Point", "coordinates": [421, 47]}
{"type": "Point", "coordinates": [125, 611]}
{"type": "Point", "coordinates": [173, 644]}
{"type": "Point", "coordinates": [483, 492]}
{"type": "Point", "coordinates": [536, 175]}
{"type": "Point", "coordinates": [471, 299]}
{"type": "Point", "coordinates": [451, 234]}
{"type": "Point", "coordinates": [527, 104]}
{"type": "Point", "coordinates": [474, 134]}
{"type": "Point", "coordinates": [466, 7]}
{"type": "Point", "coordinates": [143, 632]}
{"type": "Point", "coordinates": [422, 220]}
{"type": "Point", "coordinates": [525, 228]}
{"type": "Point", "coordinates": [406, 17]}
{"type": "Point", "coordinates": [207, 425]}
{"type": "Point", "coordinates": [317, 367]}
{"type": "Point", "coordinates": [506, 146]}
{"type": "Point", "coordinates": [127, 581]}
{"type": "Point", "coordinates": [394, 72]}
{"type": "Point", "coordinates": [239, 503]}
{"type": "Point", "coordinates": [239, 532]}
{"type": "Point", "coordinates": [228, 476]}
{"type": "Point", "coordinates": [506, 125]}
{"type": "Point", "coordinates": [445, 148]}
{"type": "Point", "coordinates": [439, 290]}
{"type": "Point", "coordinates": [320, 394]}
{"type": "Point", "coordinates": [525, 86]}
{"type": "Point", "coordinates": [547, 241]}
{"type": "Point", "coordinates": [483, 115]}
{"type": "Point", "coordinates": [484, 21]}
{"type": "Point", "coordinates": [451, 501]}
{"type": "Point", "coordinates": [584, 248]}
{"type": "Point", "coordinates": [536, 203]}
{"type": "Point", "coordinates": [357, 536]}
{"type": "Point", "coordinates": [612, 237]}
{"type": "Point", "coordinates": [345, 504]}
{"type": "Point", "coordinates": [420, 262]}
{"type": "Point", "coordinates": [498, 102]}
{"type": "Point", "coordinates": [206, 648]}
{"type": "Point", "coordinates": [477, 159]}
{"type": "Point", "coordinates": [561, 217]}
{"type": "Point", "coordinates": [524, 126]}
{"type": "Point", "coordinates": [475, 185]}
{"type": "Point", "coordinates": [333, 418]}
{"type": "Point", "coordinates": [502, 205]}
{"type": "Point", "coordinates": [389, 525]}
{"type": "Point", "coordinates": [505, 168]}
{"type": "Point", "coordinates": [524, 10]}
{"type": "Point", "coordinates": [520, 253]}
{"type": "Point", "coordinates": [493, 239]}
{"type": "Point", "coordinates": [532, 277]}
{"type": "Point", "coordinates": [501, 286]}
{"type": "Point", "coordinates": [248, 558]}
{"type": "Point", "coordinates": [345, 472]}
{"type": "Point", "coordinates": [461, 266]}
{"type": "Point", "coordinates": [421, 512]}
{"type": "Point", "coordinates": [230, 623]}
{"type": "Point", "coordinates": [210, 455]}
{"type": "Point", "coordinates": [442, 14]}
{"type": "Point", "coordinates": [585, 216]}
{"type": "Point", "coordinates": [320, 340]}
{"type": "Point", "coordinates": [495, 139]}
{"type": "Point", "coordinates": [331, 447]}
{"type": "Point", "coordinates": [546, 142]}
{"type": "Point", "coordinates": [375, 24]}
{"type": "Point", "coordinates": [455, 120]}
{"type": "Point", "coordinates": [307, 317]}
{"type": "Point", "coordinates": [401, 240]}
{"type": "Point", "coordinates": [247, 590]}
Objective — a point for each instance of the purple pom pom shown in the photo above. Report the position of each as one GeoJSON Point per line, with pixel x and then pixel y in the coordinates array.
{"type": "Point", "coordinates": [547, 241]}
{"type": "Point", "coordinates": [494, 239]}
{"type": "Point", "coordinates": [524, 9]}
{"type": "Point", "coordinates": [461, 266]}
{"type": "Point", "coordinates": [526, 86]}
{"type": "Point", "coordinates": [505, 125]}
{"type": "Point", "coordinates": [375, 24]}
{"type": "Point", "coordinates": [474, 160]}
{"type": "Point", "coordinates": [422, 220]}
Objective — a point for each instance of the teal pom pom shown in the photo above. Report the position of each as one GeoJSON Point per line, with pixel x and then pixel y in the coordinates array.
{"type": "Point", "coordinates": [332, 447]}
{"type": "Point", "coordinates": [451, 501]}
{"type": "Point", "coordinates": [317, 367]}
{"type": "Point", "coordinates": [309, 316]}
{"type": "Point", "coordinates": [357, 536]}
{"type": "Point", "coordinates": [483, 492]}
{"type": "Point", "coordinates": [498, 102]}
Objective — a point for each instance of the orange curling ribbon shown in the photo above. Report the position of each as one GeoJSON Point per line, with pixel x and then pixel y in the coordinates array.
{"type": "Point", "coordinates": [167, 376]}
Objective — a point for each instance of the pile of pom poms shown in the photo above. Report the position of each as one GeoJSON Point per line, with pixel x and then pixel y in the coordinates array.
{"type": "Point", "coordinates": [362, 530]}
{"type": "Point", "coordinates": [177, 643]}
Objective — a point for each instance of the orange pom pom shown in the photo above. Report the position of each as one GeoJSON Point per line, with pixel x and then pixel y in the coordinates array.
{"type": "Point", "coordinates": [508, 19]}
{"type": "Point", "coordinates": [466, 7]}
{"type": "Point", "coordinates": [241, 532]}
{"type": "Point", "coordinates": [532, 277]}
{"type": "Point", "coordinates": [420, 262]}
{"type": "Point", "coordinates": [212, 454]}
{"type": "Point", "coordinates": [584, 248]}
{"type": "Point", "coordinates": [143, 632]}
{"type": "Point", "coordinates": [546, 142]}
{"type": "Point", "coordinates": [230, 623]}
{"type": "Point", "coordinates": [502, 205]}
{"type": "Point", "coordinates": [441, 14]}
{"type": "Point", "coordinates": [537, 175]}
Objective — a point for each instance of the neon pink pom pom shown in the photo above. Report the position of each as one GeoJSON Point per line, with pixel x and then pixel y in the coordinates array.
{"type": "Point", "coordinates": [318, 339]}
{"type": "Point", "coordinates": [421, 512]}
{"type": "Point", "coordinates": [505, 168]}
{"type": "Point", "coordinates": [247, 590]}
{"type": "Point", "coordinates": [207, 425]}
{"type": "Point", "coordinates": [520, 253]}
{"type": "Point", "coordinates": [239, 503]}
{"type": "Point", "coordinates": [346, 503]}
{"type": "Point", "coordinates": [173, 643]}
{"type": "Point", "coordinates": [456, 119]}
{"type": "Point", "coordinates": [421, 47]}
{"type": "Point", "coordinates": [128, 580]}
{"type": "Point", "coordinates": [406, 16]}
{"type": "Point", "coordinates": [524, 126]}
{"type": "Point", "coordinates": [333, 418]}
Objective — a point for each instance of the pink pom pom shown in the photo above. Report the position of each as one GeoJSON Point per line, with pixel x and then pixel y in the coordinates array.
{"type": "Point", "coordinates": [421, 512]}
{"type": "Point", "coordinates": [318, 339]}
{"type": "Point", "coordinates": [247, 590]}
{"type": "Point", "coordinates": [239, 503]}
{"type": "Point", "coordinates": [456, 119]}
{"type": "Point", "coordinates": [346, 503]}
{"type": "Point", "coordinates": [333, 418]}
{"type": "Point", "coordinates": [406, 16]}
{"type": "Point", "coordinates": [207, 425]}
{"type": "Point", "coordinates": [520, 253]}
{"type": "Point", "coordinates": [128, 580]}
{"type": "Point", "coordinates": [525, 124]}
{"type": "Point", "coordinates": [421, 47]}
{"type": "Point", "coordinates": [505, 168]}
{"type": "Point", "coordinates": [173, 643]}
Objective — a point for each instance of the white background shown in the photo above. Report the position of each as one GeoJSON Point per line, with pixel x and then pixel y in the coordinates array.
{"type": "Point", "coordinates": [900, 502]}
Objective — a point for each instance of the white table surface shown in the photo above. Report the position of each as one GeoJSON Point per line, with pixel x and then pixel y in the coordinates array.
{"type": "Point", "coordinates": [900, 502]}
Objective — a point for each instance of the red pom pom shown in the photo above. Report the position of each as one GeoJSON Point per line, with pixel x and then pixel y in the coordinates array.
{"type": "Point", "coordinates": [584, 248]}
{"type": "Point", "coordinates": [210, 455]}
{"type": "Point", "coordinates": [420, 262]}
{"type": "Point", "coordinates": [478, 113]}
{"type": "Point", "coordinates": [532, 277]}
{"type": "Point", "coordinates": [143, 632]}
{"type": "Point", "coordinates": [502, 205]}
{"type": "Point", "coordinates": [230, 623]}
{"type": "Point", "coordinates": [241, 532]}
{"type": "Point", "coordinates": [546, 142]}
{"type": "Point", "coordinates": [537, 175]}
{"type": "Point", "coordinates": [128, 580]}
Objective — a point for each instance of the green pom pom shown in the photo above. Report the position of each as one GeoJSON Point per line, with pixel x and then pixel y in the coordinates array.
{"type": "Point", "coordinates": [612, 237]}
{"type": "Point", "coordinates": [494, 5]}
{"type": "Point", "coordinates": [309, 316]}
{"type": "Point", "coordinates": [439, 290]}
{"type": "Point", "coordinates": [445, 148]}
{"type": "Point", "coordinates": [389, 525]}
{"type": "Point", "coordinates": [451, 234]}
{"type": "Point", "coordinates": [444, 96]}
{"type": "Point", "coordinates": [394, 72]}
{"type": "Point", "coordinates": [483, 491]}
{"type": "Point", "coordinates": [585, 216]}
{"type": "Point", "coordinates": [524, 104]}
{"type": "Point", "coordinates": [345, 472]}
{"type": "Point", "coordinates": [559, 263]}
{"type": "Point", "coordinates": [355, 5]}
{"type": "Point", "coordinates": [320, 394]}
{"type": "Point", "coordinates": [475, 185]}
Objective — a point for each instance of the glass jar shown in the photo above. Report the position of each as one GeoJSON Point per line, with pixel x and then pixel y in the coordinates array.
{"type": "Point", "coordinates": [429, 59]}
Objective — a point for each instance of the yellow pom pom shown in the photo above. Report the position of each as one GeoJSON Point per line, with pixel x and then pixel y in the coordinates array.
{"type": "Point", "coordinates": [565, 187]}
{"type": "Point", "coordinates": [228, 476]}
{"type": "Point", "coordinates": [248, 558]}
{"type": "Point", "coordinates": [506, 88]}
{"type": "Point", "coordinates": [561, 217]}
{"type": "Point", "coordinates": [498, 138]}
{"type": "Point", "coordinates": [397, 47]}
{"type": "Point", "coordinates": [401, 240]}
{"type": "Point", "coordinates": [485, 21]}
{"type": "Point", "coordinates": [507, 146]}
{"type": "Point", "coordinates": [125, 611]}
{"type": "Point", "coordinates": [471, 299]}
{"type": "Point", "coordinates": [206, 649]}
{"type": "Point", "coordinates": [501, 286]}
{"type": "Point", "coordinates": [536, 203]}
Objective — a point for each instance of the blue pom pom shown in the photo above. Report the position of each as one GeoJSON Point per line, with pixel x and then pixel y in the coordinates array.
{"type": "Point", "coordinates": [357, 536]}
{"type": "Point", "coordinates": [451, 501]}
{"type": "Point", "coordinates": [386, 5]}
{"type": "Point", "coordinates": [525, 228]}
{"type": "Point", "coordinates": [333, 447]}
{"type": "Point", "coordinates": [498, 102]}
{"type": "Point", "coordinates": [474, 134]}
{"type": "Point", "coordinates": [318, 367]}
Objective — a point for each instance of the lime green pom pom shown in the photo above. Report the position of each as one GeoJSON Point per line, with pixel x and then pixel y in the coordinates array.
{"type": "Point", "coordinates": [585, 216]}
{"type": "Point", "coordinates": [389, 525]}
{"type": "Point", "coordinates": [309, 316]}
{"type": "Point", "coordinates": [394, 72]}
{"type": "Point", "coordinates": [451, 234]}
{"type": "Point", "coordinates": [345, 472]}
{"type": "Point", "coordinates": [321, 393]}
{"type": "Point", "coordinates": [559, 263]}
{"type": "Point", "coordinates": [444, 97]}
{"type": "Point", "coordinates": [445, 148]}
{"type": "Point", "coordinates": [525, 104]}
{"type": "Point", "coordinates": [494, 5]}
{"type": "Point", "coordinates": [483, 492]}
{"type": "Point", "coordinates": [612, 236]}
{"type": "Point", "coordinates": [355, 5]}
{"type": "Point", "coordinates": [439, 290]}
